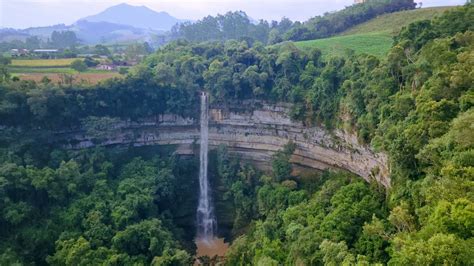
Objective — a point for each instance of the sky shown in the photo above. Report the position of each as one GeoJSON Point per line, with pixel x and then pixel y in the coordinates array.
{"type": "Point", "coordinates": [32, 13]}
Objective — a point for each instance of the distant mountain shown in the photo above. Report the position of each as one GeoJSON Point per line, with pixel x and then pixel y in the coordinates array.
{"type": "Point", "coordinates": [117, 24]}
{"type": "Point", "coordinates": [106, 32]}
{"type": "Point", "coordinates": [87, 32]}
{"type": "Point", "coordinates": [135, 16]}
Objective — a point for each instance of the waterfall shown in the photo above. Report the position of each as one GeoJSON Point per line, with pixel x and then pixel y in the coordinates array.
{"type": "Point", "coordinates": [206, 220]}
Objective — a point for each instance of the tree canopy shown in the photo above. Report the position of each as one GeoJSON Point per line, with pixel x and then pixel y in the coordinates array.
{"type": "Point", "coordinates": [130, 205]}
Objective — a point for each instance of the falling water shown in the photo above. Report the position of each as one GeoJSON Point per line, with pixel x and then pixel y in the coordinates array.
{"type": "Point", "coordinates": [205, 215]}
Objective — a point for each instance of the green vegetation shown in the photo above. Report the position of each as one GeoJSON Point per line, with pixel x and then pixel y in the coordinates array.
{"type": "Point", "coordinates": [333, 23]}
{"type": "Point", "coordinates": [373, 37]}
{"type": "Point", "coordinates": [56, 70]}
{"type": "Point", "coordinates": [232, 25]}
{"type": "Point", "coordinates": [392, 23]}
{"type": "Point", "coordinates": [50, 63]}
{"type": "Point", "coordinates": [294, 217]}
{"type": "Point", "coordinates": [82, 208]}
{"type": "Point", "coordinates": [79, 65]}
{"type": "Point", "coordinates": [63, 39]}
{"type": "Point", "coordinates": [4, 73]}
{"type": "Point", "coordinates": [377, 44]}
{"type": "Point", "coordinates": [45, 70]}
{"type": "Point", "coordinates": [298, 228]}
{"type": "Point", "coordinates": [124, 206]}
{"type": "Point", "coordinates": [237, 25]}
{"type": "Point", "coordinates": [46, 66]}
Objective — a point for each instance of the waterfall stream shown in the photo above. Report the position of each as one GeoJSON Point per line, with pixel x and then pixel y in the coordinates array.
{"type": "Point", "coordinates": [206, 220]}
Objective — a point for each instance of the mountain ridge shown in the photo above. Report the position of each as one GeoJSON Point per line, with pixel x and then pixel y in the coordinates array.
{"type": "Point", "coordinates": [135, 16]}
{"type": "Point", "coordinates": [119, 23]}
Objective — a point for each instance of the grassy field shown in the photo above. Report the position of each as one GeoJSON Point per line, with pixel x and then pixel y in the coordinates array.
{"type": "Point", "coordinates": [43, 62]}
{"type": "Point", "coordinates": [376, 44]}
{"type": "Point", "coordinates": [55, 69]}
{"type": "Point", "coordinates": [44, 70]}
{"type": "Point", "coordinates": [392, 23]}
{"type": "Point", "coordinates": [373, 37]}
{"type": "Point", "coordinates": [84, 78]}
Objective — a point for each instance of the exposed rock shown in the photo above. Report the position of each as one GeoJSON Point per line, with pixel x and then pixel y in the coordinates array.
{"type": "Point", "coordinates": [253, 130]}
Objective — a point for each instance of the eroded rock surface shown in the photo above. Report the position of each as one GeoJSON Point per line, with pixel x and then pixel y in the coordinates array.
{"type": "Point", "coordinates": [253, 130]}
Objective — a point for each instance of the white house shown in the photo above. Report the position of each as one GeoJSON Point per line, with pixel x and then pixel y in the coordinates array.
{"type": "Point", "coordinates": [105, 67]}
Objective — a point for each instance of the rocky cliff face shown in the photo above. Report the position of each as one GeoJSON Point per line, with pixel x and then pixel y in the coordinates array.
{"type": "Point", "coordinates": [253, 130]}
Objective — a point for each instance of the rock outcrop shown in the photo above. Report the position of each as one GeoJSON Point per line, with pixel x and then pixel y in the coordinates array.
{"type": "Point", "coordinates": [255, 131]}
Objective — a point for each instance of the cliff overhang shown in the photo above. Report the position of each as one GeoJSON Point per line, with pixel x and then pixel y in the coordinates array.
{"type": "Point", "coordinates": [254, 131]}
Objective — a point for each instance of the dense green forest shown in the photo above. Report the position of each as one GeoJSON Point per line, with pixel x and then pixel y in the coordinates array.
{"type": "Point", "coordinates": [92, 207]}
{"type": "Point", "coordinates": [123, 206]}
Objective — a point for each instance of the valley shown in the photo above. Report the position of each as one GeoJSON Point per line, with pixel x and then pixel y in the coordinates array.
{"type": "Point", "coordinates": [342, 140]}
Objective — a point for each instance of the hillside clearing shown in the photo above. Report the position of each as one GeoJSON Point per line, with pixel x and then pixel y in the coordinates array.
{"type": "Point", "coordinates": [376, 44]}
{"type": "Point", "coordinates": [394, 22]}
{"type": "Point", "coordinates": [372, 37]}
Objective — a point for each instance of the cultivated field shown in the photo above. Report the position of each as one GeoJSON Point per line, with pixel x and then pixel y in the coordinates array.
{"type": "Point", "coordinates": [44, 70]}
{"type": "Point", "coordinates": [57, 70]}
{"type": "Point", "coordinates": [43, 62]}
{"type": "Point", "coordinates": [84, 78]}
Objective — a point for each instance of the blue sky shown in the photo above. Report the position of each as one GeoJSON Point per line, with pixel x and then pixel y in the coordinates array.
{"type": "Point", "coordinates": [28, 13]}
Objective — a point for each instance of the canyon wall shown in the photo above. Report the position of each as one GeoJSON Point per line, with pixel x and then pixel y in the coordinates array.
{"type": "Point", "coordinates": [254, 131]}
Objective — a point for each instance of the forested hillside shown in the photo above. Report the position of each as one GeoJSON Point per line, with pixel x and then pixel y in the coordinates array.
{"type": "Point", "coordinates": [237, 25]}
{"type": "Point", "coordinates": [136, 205]}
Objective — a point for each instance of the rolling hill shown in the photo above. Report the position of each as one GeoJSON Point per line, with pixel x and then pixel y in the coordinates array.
{"type": "Point", "coordinates": [392, 23]}
{"type": "Point", "coordinates": [372, 37]}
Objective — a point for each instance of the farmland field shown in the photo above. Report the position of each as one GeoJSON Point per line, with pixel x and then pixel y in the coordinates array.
{"type": "Point", "coordinates": [87, 78]}
{"type": "Point", "coordinates": [43, 62]}
{"type": "Point", "coordinates": [45, 70]}
{"type": "Point", "coordinates": [376, 44]}
{"type": "Point", "coordinates": [57, 70]}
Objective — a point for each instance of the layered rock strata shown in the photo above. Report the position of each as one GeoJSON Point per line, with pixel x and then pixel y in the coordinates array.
{"type": "Point", "coordinates": [254, 131]}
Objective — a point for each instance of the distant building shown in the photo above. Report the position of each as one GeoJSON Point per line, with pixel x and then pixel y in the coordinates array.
{"type": "Point", "coordinates": [86, 55]}
{"type": "Point", "coordinates": [46, 51]}
{"type": "Point", "coordinates": [105, 67]}
{"type": "Point", "coordinates": [19, 52]}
